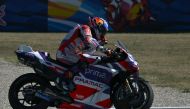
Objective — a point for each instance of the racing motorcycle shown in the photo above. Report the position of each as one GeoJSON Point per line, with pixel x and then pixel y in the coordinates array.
{"type": "Point", "coordinates": [99, 86]}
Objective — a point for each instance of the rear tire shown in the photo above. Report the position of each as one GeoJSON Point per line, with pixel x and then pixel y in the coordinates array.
{"type": "Point", "coordinates": [27, 82]}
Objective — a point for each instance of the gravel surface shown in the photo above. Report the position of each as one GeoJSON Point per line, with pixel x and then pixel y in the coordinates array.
{"type": "Point", "coordinates": [164, 97]}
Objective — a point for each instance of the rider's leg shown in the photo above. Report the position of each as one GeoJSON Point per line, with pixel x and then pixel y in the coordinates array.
{"type": "Point", "coordinates": [69, 75]}
{"type": "Point", "coordinates": [62, 83]}
{"type": "Point", "coordinates": [65, 81]}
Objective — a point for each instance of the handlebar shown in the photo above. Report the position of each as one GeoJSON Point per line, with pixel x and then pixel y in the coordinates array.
{"type": "Point", "coordinates": [116, 55]}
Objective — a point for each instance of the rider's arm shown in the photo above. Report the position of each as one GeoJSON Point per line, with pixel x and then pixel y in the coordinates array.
{"type": "Point", "coordinates": [101, 49]}
{"type": "Point", "coordinates": [86, 37]}
{"type": "Point", "coordinates": [96, 46]}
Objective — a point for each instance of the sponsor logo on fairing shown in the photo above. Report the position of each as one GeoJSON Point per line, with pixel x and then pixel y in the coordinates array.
{"type": "Point", "coordinates": [95, 73]}
{"type": "Point", "coordinates": [87, 82]}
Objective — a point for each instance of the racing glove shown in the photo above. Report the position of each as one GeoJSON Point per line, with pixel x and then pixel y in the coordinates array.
{"type": "Point", "coordinates": [108, 52]}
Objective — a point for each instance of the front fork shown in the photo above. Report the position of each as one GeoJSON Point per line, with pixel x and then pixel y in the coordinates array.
{"type": "Point", "coordinates": [131, 82]}
{"type": "Point", "coordinates": [128, 86]}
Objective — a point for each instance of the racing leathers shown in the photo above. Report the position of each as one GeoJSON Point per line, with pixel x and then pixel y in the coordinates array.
{"type": "Point", "coordinates": [75, 43]}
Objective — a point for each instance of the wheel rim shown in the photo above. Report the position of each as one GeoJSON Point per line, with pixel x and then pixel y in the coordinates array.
{"type": "Point", "coordinates": [141, 98]}
{"type": "Point", "coordinates": [26, 94]}
{"type": "Point", "coordinates": [122, 93]}
{"type": "Point", "coordinates": [137, 102]}
{"type": "Point", "coordinates": [122, 97]}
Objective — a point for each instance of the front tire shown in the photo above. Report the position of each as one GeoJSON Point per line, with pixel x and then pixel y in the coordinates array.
{"type": "Point", "coordinates": [25, 86]}
{"type": "Point", "coordinates": [143, 100]}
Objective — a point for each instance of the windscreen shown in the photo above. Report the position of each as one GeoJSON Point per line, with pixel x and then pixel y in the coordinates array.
{"type": "Point", "coordinates": [121, 45]}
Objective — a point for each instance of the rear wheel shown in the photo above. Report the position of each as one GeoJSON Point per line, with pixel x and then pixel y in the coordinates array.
{"type": "Point", "coordinates": [23, 89]}
{"type": "Point", "coordinates": [122, 98]}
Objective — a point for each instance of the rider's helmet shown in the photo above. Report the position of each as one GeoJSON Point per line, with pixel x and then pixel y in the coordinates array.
{"type": "Point", "coordinates": [99, 28]}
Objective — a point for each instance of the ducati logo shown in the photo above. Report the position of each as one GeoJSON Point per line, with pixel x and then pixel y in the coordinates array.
{"type": "Point", "coordinates": [2, 14]}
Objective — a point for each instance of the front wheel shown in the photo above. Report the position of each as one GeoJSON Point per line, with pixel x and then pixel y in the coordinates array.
{"type": "Point", "coordinates": [22, 92]}
{"type": "Point", "coordinates": [122, 98]}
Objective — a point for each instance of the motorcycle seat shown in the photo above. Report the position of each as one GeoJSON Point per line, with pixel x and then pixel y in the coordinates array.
{"type": "Point", "coordinates": [59, 63]}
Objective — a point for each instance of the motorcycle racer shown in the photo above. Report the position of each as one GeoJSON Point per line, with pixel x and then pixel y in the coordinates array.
{"type": "Point", "coordinates": [82, 39]}
{"type": "Point", "coordinates": [86, 39]}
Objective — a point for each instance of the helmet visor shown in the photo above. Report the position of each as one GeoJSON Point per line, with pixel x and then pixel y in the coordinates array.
{"type": "Point", "coordinates": [102, 30]}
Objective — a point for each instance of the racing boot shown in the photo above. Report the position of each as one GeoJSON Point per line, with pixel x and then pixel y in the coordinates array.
{"type": "Point", "coordinates": [65, 85]}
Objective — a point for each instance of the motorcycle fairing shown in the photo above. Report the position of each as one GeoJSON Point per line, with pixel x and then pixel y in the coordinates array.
{"type": "Point", "coordinates": [92, 91]}
{"type": "Point", "coordinates": [92, 88]}
{"type": "Point", "coordinates": [92, 84]}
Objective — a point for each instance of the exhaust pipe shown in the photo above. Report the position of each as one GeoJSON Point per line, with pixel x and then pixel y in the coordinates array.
{"type": "Point", "coordinates": [43, 96]}
{"type": "Point", "coordinates": [49, 95]}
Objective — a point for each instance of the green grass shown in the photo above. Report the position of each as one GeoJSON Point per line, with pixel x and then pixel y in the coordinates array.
{"type": "Point", "coordinates": [164, 59]}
